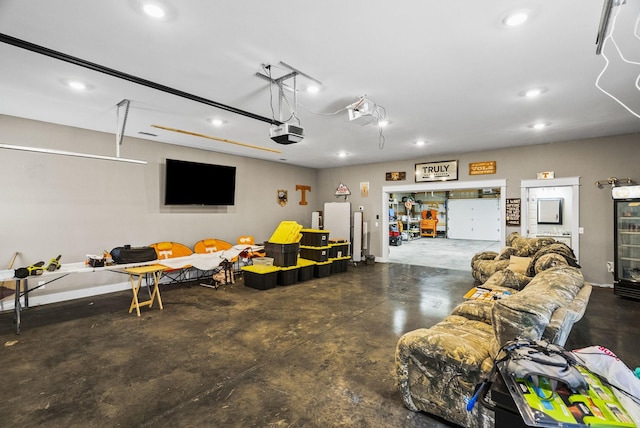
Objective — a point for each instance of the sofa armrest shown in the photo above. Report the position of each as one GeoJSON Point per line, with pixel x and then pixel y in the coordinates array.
{"type": "Point", "coordinates": [563, 319]}
{"type": "Point", "coordinates": [526, 314]}
{"type": "Point", "coordinates": [437, 368]}
{"type": "Point", "coordinates": [477, 310]}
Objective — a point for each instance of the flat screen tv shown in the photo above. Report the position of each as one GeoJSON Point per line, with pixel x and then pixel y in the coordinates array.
{"type": "Point", "coordinates": [194, 183]}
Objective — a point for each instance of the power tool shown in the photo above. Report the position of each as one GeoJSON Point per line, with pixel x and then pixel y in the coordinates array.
{"type": "Point", "coordinates": [54, 264]}
{"type": "Point", "coordinates": [35, 269]}
{"type": "Point", "coordinates": [38, 268]}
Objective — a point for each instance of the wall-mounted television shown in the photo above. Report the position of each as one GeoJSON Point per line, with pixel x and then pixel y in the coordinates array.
{"type": "Point", "coordinates": [194, 183]}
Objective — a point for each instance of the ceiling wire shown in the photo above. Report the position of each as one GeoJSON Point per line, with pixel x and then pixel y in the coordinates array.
{"type": "Point", "coordinates": [267, 69]}
{"type": "Point", "coordinates": [606, 66]}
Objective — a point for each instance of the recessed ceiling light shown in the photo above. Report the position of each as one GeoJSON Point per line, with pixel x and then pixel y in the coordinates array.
{"type": "Point", "coordinates": [342, 154]}
{"type": "Point", "coordinates": [420, 143]}
{"type": "Point", "coordinates": [539, 125]}
{"type": "Point", "coordinates": [313, 89]}
{"type": "Point", "coordinates": [533, 92]}
{"type": "Point", "coordinates": [515, 19]}
{"type": "Point", "coordinates": [153, 10]}
{"type": "Point", "coordinates": [383, 123]}
{"type": "Point", "coordinates": [77, 85]}
{"type": "Point", "coordinates": [216, 122]}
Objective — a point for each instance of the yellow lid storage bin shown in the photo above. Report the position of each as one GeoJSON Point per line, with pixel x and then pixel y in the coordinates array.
{"type": "Point", "coordinates": [288, 275]}
{"type": "Point", "coordinates": [317, 254]}
{"type": "Point", "coordinates": [314, 237]}
{"type": "Point", "coordinates": [339, 264]}
{"type": "Point", "coordinates": [287, 232]}
{"type": "Point", "coordinates": [261, 277]}
{"type": "Point", "coordinates": [305, 269]}
{"type": "Point", "coordinates": [320, 270]}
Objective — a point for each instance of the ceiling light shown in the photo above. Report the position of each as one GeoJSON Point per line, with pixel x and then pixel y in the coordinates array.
{"type": "Point", "coordinates": [515, 19]}
{"type": "Point", "coordinates": [153, 10]}
{"type": "Point", "coordinates": [342, 154]}
{"type": "Point", "coordinates": [77, 85]}
{"type": "Point", "coordinates": [539, 125]}
{"type": "Point", "coordinates": [313, 89]}
{"type": "Point", "coordinates": [533, 92]}
{"type": "Point", "coordinates": [216, 122]}
{"type": "Point", "coordinates": [420, 143]}
{"type": "Point", "coordinates": [383, 123]}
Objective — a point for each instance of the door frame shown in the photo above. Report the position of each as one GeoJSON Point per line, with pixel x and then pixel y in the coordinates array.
{"type": "Point", "coordinates": [441, 186]}
{"type": "Point", "coordinates": [574, 183]}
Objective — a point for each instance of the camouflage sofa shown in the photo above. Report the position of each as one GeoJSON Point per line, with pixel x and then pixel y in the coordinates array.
{"type": "Point", "coordinates": [438, 368]}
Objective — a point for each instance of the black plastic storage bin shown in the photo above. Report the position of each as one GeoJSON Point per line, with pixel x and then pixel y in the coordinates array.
{"type": "Point", "coordinates": [322, 269]}
{"type": "Point", "coordinates": [284, 255]}
{"type": "Point", "coordinates": [314, 237]}
{"type": "Point", "coordinates": [260, 277]}
{"type": "Point", "coordinates": [317, 254]}
{"type": "Point", "coordinates": [287, 275]}
{"type": "Point", "coordinates": [338, 249]}
{"type": "Point", "coordinates": [305, 269]}
{"type": "Point", "coordinates": [340, 264]}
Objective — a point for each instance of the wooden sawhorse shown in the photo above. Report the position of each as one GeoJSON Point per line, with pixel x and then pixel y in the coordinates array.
{"type": "Point", "coordinates": [140, 272]}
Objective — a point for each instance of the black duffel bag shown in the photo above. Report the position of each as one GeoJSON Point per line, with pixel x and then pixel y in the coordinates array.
{"type": "Point", "coordinates": [127, 254]}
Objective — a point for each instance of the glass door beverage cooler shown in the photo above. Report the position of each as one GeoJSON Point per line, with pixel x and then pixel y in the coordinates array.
{"type": "Point", "coordinates": [626, 202]}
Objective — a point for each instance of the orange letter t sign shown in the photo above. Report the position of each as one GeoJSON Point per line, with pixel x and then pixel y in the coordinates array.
{"type": "Point", "coordinates": [304, 190]}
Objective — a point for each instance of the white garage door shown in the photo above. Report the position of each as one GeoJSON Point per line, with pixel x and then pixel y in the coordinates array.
{"type": "Point", "coordinates": [477, 219]}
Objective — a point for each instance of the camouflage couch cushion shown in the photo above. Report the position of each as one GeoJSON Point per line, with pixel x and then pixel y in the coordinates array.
{"type": "Point", "coordinates": [437, 368]}
{"type": "Point", "coordinates": [527, 313]}
{"type": "Point", "coordinates": [539, 251]}
{"type": "Point", "coordinates": [506, 279]}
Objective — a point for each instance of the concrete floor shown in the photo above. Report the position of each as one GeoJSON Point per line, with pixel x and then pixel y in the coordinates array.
{"type": "Point", "coordinates": [440, 252]}
{"type": "Point", "coordinates": [314, 354]}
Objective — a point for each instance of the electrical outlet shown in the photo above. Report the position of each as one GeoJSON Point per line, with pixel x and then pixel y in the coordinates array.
{"type": "Point", "coordinates": [609, 266]}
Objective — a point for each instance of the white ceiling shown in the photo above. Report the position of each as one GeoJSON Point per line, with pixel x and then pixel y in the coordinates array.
{"type": "Point", "coordinates": [448, 72]}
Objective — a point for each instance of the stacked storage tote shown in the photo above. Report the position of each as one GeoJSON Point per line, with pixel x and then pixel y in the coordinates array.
{"type": "Point", "coordinates": [315, 247]}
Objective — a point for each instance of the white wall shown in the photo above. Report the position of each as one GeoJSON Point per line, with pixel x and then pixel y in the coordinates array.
{"type": "Point", "coordinates": [55, 204]}
{"type": "Point", "coordinates": [590, 159]}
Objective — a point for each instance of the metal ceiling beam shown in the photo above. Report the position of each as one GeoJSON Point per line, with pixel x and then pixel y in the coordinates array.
{"type": "Point", "coordinates": [4, 38]}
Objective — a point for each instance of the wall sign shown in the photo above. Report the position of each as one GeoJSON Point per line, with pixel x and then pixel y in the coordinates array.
{"type": "Point", "coordinates": [513, 212]}
{"type": "Point", "coordinates": [545, 175]}
{"type": "Point", "coordinates": [342, 190]}
{"type": "Point", "coordinates": [396, 176]}
{"type": "Point", "coordinates": [282, 197]}
{"type": "Point", "coordinates": [304, 190]}
{"type": "Point", "coordinates": [364, 189]}
{"type": "Point", "coordinates": [479, 168]}
{"type": "Point", "coordinates": [437, 171]}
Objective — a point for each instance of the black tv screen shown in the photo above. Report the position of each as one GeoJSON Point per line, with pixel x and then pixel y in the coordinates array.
{"type": "Point", "coordinates": [194, 183]}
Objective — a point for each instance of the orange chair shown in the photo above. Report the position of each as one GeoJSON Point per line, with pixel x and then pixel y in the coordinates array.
{"type": "Point", "coordinates": [169, 250]}
{"type": "Point", "coordinates": [211, 245]}
{"type": "Point", "coordinates": [429, 223]}
{"type": "Point", "coordinates": [223, 274]}
{"type": "Point", "coordinates": [249, 241]}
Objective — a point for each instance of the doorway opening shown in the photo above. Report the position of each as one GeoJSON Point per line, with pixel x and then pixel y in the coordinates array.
{"type": "Point", "coordinates": [551, 208]}
{"type": "Point", "coordinates": [470, 214]}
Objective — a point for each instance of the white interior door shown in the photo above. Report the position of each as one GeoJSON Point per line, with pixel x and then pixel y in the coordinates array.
{"type": "Point", "coordinates": [477, 219]}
